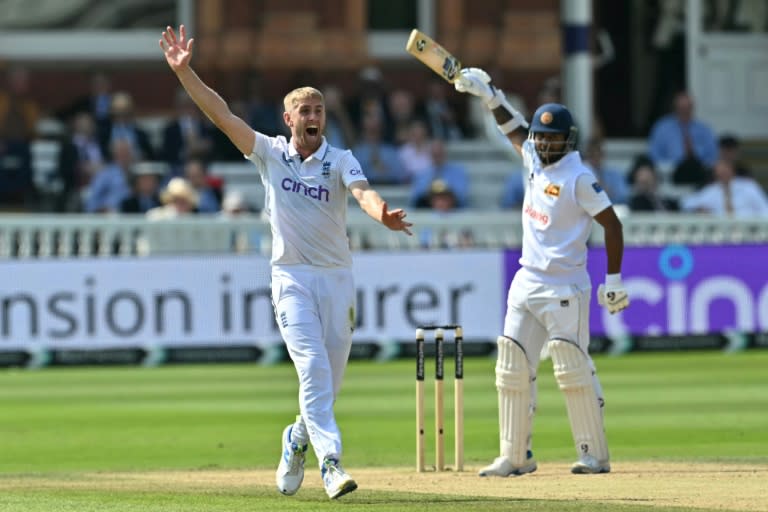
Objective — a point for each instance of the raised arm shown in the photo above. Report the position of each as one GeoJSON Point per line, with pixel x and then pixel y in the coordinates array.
{"type": "Point", "coordinates": [178, 53]}
{"type": "Point", "coordinates": [372, 204]}
{"type": "Point", "coordinates": [477, 82]}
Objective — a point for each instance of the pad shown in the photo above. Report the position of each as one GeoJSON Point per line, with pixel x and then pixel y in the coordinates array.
{"type": "Point", "coordinates": [513, 383]}
{"type": "Point", "coordinates": [575, 376]}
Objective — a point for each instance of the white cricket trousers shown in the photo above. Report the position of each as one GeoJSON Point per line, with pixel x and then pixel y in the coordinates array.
{"type": "Point", "coordinates": [315, 311]}
{"type": "Point", "coordinates": [537, 313]}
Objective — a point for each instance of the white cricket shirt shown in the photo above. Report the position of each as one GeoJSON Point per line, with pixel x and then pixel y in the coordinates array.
{"type": "Point", "coordinates": [560, 201]}
{"type": "Point", "coordinates": [306, 201]}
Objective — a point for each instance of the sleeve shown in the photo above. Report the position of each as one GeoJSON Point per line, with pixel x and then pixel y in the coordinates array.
{"type": "Point", "coordinates": [590, 195]}
{"type": "Point", "coordinates": [350, 169]}
{"type": "Point", "coordinates": [261, 145]}
{"type": "Point", "coordinates": [529, 155]}
{"type": "Point", "coordinates": [693, 202]}
{"type": "Point", "coordinates": [759, 198]}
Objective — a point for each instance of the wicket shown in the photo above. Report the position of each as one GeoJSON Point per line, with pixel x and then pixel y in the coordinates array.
{"type": "Point", "coordinates": [458, 406]}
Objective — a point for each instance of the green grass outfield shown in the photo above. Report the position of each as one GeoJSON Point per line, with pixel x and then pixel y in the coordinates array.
{"type": "Point", "coordinates": [79, 438]}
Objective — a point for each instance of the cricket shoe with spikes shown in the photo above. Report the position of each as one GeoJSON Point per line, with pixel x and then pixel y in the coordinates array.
{"type": "Point", "coordinates": [588, 465]}
{"type": "Point", "coordinates": [336, 481]}
{"type": "Point", "coordinates": [501, 466]}
{"type": "Point", "coordinates": [290, 471]}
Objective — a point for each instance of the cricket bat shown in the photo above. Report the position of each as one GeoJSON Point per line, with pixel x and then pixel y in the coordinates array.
{"type": "Point", "coordinates": [434, 56]}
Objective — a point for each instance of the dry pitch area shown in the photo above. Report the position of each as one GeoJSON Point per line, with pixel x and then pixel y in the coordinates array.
{"type": "Point", "coordinates": [733, 487]}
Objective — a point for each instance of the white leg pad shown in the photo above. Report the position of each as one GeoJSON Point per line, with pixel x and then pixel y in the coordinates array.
{"type": "Point", "coordinates": [575, 377]}
{"type": "Point", "coordinates": [513, 383]}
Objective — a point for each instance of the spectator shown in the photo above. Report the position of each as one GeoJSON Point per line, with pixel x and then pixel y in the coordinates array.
{"type": "Point", "coordinates": [339, 129]}
{"type": "Point", "coordinates": [441, 115]}
{"type": "Point", "coordinates": [453, 174]}
{"type": "Point", "coordinates": [513, 193]}
{"type": "Point", "coordinates": [196, 174]}
{"type": "Point", "coordinates": [730, 151]}
{"type": "Point", "coordinates": [111, 184]}
{"type": "Point", "coordinates": [123, 126]}
{"type": "Point", "coordinates": [729, 195]}
{"type": "Point", "coordinates": [379, 159]}
{"type": "Point", "coordinates": [443, 201]}
{"type": "Point", "coordinates": [687, 145]}
{"type": "Point", "coordinates": [97, 102]}
{"type": "Point", "coordinates": [613, 181]}
{"type": "Point", "coordinates": [371, 98]}
{"type": "Point", "coordinates": [19, 114]}
{"type": "Point", "coordinates": [645, 189]}
{"type": "Point", "coordinates": [179, 199]}
{"type": "Point", "coordinates": [80, 158]}
{"type": "Point", "coordinates": [188, 135]}
{"type": "Point", "coordinates": [415, 154]}
{"type": "Point", "coordinates": [442, 198]}
{"type": "Point", "coordinates": [402, 108]}
{"type": "Point", "coordinates": [145, 185]}
{"type": "Point", "coordinates": [235, 204]}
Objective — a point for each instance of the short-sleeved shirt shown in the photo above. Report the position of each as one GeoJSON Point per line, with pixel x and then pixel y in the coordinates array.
{"type": "Point", "coordinates": [560, 202]}
{"type": "Point", "coordinates": [306, 201]}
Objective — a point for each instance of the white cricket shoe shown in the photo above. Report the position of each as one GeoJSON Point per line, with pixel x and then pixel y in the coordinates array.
{"type": "Point", "coordinates": [588, 465]}
{"type": "Point", "coordinates": [336, 481]}
{"type": "Point", "coordinates": [501, 466]}
{"type": "Point", "coordinates": [290, 471]}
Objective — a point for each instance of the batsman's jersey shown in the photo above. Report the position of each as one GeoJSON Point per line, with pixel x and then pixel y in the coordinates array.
{"type": "Point", "coordinates": [560, 201]}
{"type": "Point", "coordinates": [306, 201]}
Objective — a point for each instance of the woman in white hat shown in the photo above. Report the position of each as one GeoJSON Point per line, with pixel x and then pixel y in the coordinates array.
{"type": "Point", "coordinates": [179, 198]}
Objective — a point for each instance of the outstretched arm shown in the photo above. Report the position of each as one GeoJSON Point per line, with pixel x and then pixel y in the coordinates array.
{"type": "Point", "coordinates": [477, 82]}
{"type": "Point", "coordinates": [372, 204]}
{"type": "Point", "coordinates": [178, 53]}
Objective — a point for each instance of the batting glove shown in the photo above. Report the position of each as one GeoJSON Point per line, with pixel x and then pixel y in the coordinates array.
{"type": "Point", "coordinates": [612, 294]}
{"type": "Point", "coordinates": [477, 82]}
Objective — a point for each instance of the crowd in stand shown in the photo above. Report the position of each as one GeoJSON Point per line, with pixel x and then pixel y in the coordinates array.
{"type": "Point", "coordinates": [108, 163]}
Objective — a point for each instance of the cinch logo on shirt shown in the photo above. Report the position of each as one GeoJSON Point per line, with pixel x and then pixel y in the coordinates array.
{"type": "Point", "coordinates": [320, 193]}
{"type": "Point", "coordinates": [552, 190]}
{"type": "Point", "coordinates": [536, 215]}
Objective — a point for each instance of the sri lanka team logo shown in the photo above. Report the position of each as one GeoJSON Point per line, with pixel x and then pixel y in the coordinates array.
{"type": "Point", "coordinates": [552, 190]}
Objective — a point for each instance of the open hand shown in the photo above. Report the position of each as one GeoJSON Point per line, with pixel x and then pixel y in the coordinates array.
{"type": "Point", "coordinates": [394, 219]}
{"type": "Point", "coordinates": [178, 51]}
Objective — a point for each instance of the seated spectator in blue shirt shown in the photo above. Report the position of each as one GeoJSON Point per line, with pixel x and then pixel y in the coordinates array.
{"type": "Point", "coordinates": [111, 184]}
{"type": "Point", "coordinates": [613, 181]}
{"type": "Point", "coordinates": [379, 159]}
{"type": "Point", "coordinates": [514, 190]}
{"type": "Point", "coordinates": [453, 174]}
{"type": "Point", "coordinates": [685, 144]}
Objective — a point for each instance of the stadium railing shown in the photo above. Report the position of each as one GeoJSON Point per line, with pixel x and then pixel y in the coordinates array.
{"type": "Point", "coordinates": [87, 236]}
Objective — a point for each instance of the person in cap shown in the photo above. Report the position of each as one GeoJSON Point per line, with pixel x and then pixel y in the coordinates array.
{"type": "Point", "coordinates": [145, 184]}
{"type": "Point", "coordinates": [548, 299]}
{"type": "Point", "coordinates": [179, 198]}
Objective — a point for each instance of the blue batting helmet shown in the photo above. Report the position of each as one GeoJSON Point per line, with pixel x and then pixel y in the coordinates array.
{"type": "Point", "coordinates": [553, 118]}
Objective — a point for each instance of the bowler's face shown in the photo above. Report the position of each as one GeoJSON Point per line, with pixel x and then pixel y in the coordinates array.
{"type": "Point", "coordinates": [307, 123]}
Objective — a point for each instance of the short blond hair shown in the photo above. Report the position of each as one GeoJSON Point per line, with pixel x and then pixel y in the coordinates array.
{"type": "Point", "coordinates": [293, 98]}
